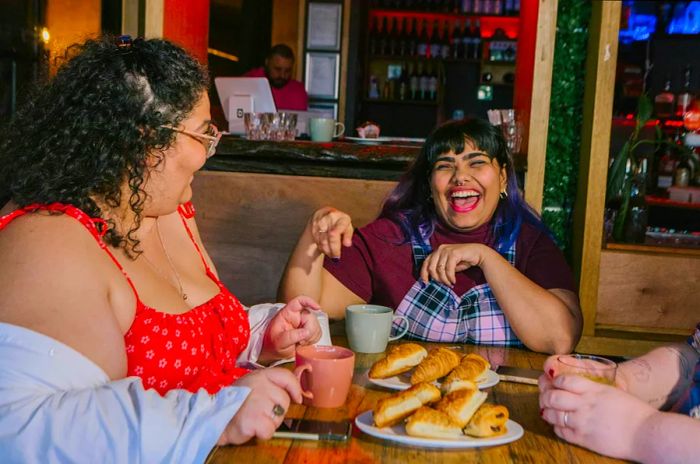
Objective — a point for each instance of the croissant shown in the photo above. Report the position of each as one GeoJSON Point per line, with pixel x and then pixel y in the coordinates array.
{"type": "Point", "coordinates": [489, 421]}
{"type": "Point", "coordinates": [478, 359]}
{"type": "Point", "coordinates": [470, 370]}
{"type": "Point", "coordinates": [438, 363]}
{"type": "Point", "coordinates": [429, 423]}
{"type": "Point", "coordinates": [401, 358]}
{"type": "Point", "coordinates": [393, 409]}
{"type": "Point", "coordinates": [452, 385]}
{"type": "Point", "coordinates": [461, 405]}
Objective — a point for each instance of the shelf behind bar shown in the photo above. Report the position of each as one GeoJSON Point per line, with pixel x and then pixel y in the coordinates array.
{"type": "Point", "coordinates": [666, 202]}
{"type": "Point", "coordinates": [641, 248]}
{"type": "Point", "coordinates": [401, 102]}
{"type": "Point", "coordinates": [489, 23]}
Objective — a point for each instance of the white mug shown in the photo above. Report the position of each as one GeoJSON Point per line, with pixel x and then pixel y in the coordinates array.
{"type": "Point", "coordinates": [325, 129]}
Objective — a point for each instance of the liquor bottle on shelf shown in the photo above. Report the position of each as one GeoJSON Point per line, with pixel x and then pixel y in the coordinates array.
{"type": "Point", "coordinates": [445, 41]}
{"type": "Point", "coordinates": [393, 45]}
{"type": "Point", "coordinates": [476, 40]}
{"type": "Point", "coordinates": [663, 102]}
{"type": "Point", "coordinates": [373, 36]}
{"type": "Point", "coordinates": [423, 41]}
{"type": "Point", "coordinates": [456, 41]}
{"type": "Point", "coordinates": [412, 39]}
{"type": "Point", "coordinates": [486, 7]}
{"type": "Point", "coordinates": [509, 7]}
{"type": "Point", "coordinates": [466, 6]}
{"type": "Point", "coordinates": [414, 82]}
{"type": "Point", "coordinates": [667, 162]}
{"type": "Point", "coordinates": [373, 87]}
{"type": "Point", "coordinates": [466, 39]}
{"type": "Point", "coordinates": [637, 210]}
{"type": "Point", "coordinates": [403, 38]}
{"type": "Point", "coordinates": [383, 38]}
{"type": "Point", "coordinates": [686, 96]}
{"type": "Point", "coordinates": [476, 7]}
{"type": "Point", "coordinates": [423, 81]}
{"type": "Point", "coordinates": [683, 173]}
{"type": "Point", "coordinates": [404, 83]}
{"type": "Point", "coordinates": [386, 90]}
{"type": "Point", "coordinates": [432, 84]}
{"type": "Point", "coordinates": [497, 8]}
{"type": "Point", "coordinates": [435, 46]}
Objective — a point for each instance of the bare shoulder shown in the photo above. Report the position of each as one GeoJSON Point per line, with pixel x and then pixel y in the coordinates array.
{"type": "Point", "coordinates": [39, 238]}
{"type": "Point", "coordinates": [55, 279]}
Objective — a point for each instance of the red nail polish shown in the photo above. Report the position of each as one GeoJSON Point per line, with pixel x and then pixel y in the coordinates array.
{"type": "Point", "coordinates": [551, 373]}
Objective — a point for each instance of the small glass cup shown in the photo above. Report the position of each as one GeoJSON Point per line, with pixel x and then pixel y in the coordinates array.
{"type": "Point", "coordinates": [288, 122]}
{"type": "Point", "coordinates": [254, 126]}
{"type": "Point", "coordinates": [595, 368]}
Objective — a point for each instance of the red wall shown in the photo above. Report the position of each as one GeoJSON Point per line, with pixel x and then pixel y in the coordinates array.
{"type": "Point", "coordinates": [186, 22]}
{"type": "Point", "coordinates": [524, 67]}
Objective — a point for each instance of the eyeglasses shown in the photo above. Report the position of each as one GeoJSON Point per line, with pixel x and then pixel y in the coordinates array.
{"type": "Point", "coordinates": [209, 140]}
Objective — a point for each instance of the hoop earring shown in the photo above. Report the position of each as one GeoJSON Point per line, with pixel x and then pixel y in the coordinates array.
{"type": "Point", "coordinates": [503, 195]}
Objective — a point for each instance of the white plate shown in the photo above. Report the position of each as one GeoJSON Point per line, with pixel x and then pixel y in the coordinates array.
{"type": "Point", "coordinates": [397, 433]}
{"type": "Point", "coordinates": [378, 140]}
{"type": "Point", "coordinates": [402, 382]}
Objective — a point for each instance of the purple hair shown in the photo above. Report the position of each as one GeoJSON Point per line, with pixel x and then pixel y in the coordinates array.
{"type": "Point", "coordinates": [411, 206]}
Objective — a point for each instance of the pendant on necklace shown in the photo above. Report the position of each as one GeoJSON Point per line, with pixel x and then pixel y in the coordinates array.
{"type": "Point", "coordinates": [184, 296]}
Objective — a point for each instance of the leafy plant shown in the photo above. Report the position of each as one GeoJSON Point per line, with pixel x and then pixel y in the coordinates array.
{"type": "Point", "coordinates": [626, 164]}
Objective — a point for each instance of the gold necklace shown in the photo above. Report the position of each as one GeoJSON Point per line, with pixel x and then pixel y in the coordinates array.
{"type": "Point", "coordinates": [170, 262]}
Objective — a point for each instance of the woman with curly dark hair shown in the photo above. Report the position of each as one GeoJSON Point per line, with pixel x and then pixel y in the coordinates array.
{"type": "Point", "coordinates": [104, 269]}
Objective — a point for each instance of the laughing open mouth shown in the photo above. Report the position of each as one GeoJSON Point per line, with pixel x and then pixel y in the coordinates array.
{"type": "Point", "coordinates": [463, 201]}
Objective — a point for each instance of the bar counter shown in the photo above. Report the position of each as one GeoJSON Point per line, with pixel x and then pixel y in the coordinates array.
{"type": "Point", "coordinates": [317, 159]}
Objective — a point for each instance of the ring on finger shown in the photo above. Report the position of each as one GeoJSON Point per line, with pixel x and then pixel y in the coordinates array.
{"type": "Point", "coordinates": [277, 411]}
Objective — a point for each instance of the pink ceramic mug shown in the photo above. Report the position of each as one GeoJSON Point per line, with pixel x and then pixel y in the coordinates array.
{"type": "Point", "coordinates": [325, 374]}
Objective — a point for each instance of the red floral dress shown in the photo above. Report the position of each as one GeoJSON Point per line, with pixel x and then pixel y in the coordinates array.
{"type": "Point", "coordinates": [193, 350]}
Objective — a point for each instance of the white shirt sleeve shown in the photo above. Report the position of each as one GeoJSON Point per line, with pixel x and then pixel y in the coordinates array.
{"type": "Point", "coordinates": [259, 317]}
{"type": "Point", "coordinates": [58, 406]}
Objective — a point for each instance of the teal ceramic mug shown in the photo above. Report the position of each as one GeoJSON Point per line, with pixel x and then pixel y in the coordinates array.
{"type": "Point", "coordinates": [368, 327]}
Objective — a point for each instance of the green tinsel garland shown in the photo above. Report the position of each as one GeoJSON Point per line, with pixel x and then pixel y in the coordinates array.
{"type": "Point", "coordinates": [565, 119]}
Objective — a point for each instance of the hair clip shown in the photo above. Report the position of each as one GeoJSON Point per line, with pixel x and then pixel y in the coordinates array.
{"type": "Point", "coordinates": [123, 42]}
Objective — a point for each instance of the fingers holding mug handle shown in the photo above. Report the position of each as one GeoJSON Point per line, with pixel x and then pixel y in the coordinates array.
{"type": "Point", "coordinates": [337, 132]}
{"type": "Point", "coordinates": [405, 327]}
{"type": "Point", "coordinates": [299, 373]}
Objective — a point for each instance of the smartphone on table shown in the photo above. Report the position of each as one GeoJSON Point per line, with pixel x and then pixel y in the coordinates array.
{"type": "Point", "coordinates": [518, 374]}
{"type": "Point", "coordinates": [311, 429]}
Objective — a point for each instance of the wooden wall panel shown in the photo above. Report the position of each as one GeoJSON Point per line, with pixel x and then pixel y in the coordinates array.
{"type": "Point", "coordinates": [538, 126]}
{"type": "Point", "coordinates": [601, 62]}
{"type": "Point", "coordinates": [651, 291]}
{"type": "Point", "coordinates": [285, 26]}
{"type": "Point", "coordinates": [251, 222]}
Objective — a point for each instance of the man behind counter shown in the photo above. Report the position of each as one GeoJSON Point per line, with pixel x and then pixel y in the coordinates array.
{"type": "Point", "coordinates": [289, 94]}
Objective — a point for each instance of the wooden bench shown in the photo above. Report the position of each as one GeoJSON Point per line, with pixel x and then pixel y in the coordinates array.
{"type": "Point", "coordinates": [250, 222]}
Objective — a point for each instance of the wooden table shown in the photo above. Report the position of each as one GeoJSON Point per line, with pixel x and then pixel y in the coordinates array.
{"type": "Point", "coordinates": [538, 445]}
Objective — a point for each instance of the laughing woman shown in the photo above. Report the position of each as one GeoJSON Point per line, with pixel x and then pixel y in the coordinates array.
{"type": "Point", "coordinates": [455, 249]}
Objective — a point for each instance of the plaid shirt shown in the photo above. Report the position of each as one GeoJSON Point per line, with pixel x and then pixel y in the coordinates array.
{"type": "Point", "coordinates": [689, 403]}
{"type": "Point", "coordinates": [436, 313]}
